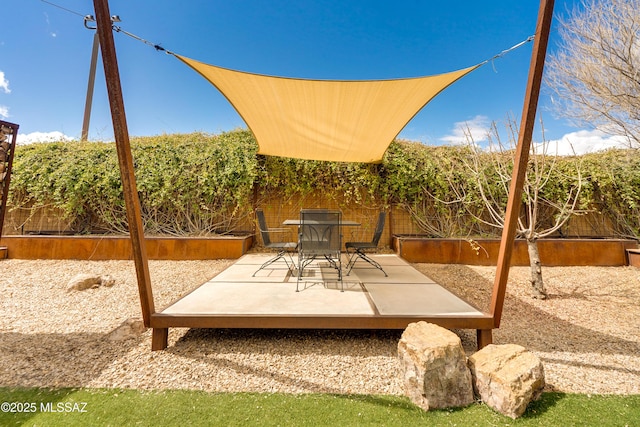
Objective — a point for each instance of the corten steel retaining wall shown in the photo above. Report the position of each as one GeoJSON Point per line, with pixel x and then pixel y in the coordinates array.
{"type": "Point", "coordinates": [119, 247]}
{"type": "Point", "coordinates": [633, 257]}
{"type": "Point", "coordinates": [553, 252]}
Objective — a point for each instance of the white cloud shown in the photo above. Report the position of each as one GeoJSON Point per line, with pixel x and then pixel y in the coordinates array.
{"type": "Point", "coordinates": [579, 142]}
{"type": "Point", "coordinates": [4, 87]}
{"type": "Point", "coordinates": [586, 141]}
{"type": "Point", "coordinates": [477, 128]}
{"type": "Point", "coordinates": [4, 83]}
{"type": "Point", "coordinates": [54, 136]}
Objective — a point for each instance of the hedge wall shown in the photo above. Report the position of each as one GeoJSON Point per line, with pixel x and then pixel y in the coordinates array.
{"type": "Point", "coordinates": [195, 184]}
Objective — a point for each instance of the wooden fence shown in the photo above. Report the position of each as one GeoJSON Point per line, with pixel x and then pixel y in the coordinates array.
{"type": "Point", "coordinates": [50, 221]}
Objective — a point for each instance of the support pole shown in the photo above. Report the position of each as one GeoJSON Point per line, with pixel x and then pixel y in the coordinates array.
{"type": "Point", "coordinates": [125, 160]}
{"type": "Point", "coordinates": [159, 339]}
{"type": "Point", "coordinates": [543, 27]}
{"type": "Point", "coordinates": [90, 85]}
{"type": "Point", "coordinates": [484, 337]}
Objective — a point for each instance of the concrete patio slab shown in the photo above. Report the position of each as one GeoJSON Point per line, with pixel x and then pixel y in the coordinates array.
{"type": "Point", "coordinates": [417, 300]}
{"type": "Point", "coordinates": [367, 292]}
{"type": "Point", "coordinates": [225, 298]}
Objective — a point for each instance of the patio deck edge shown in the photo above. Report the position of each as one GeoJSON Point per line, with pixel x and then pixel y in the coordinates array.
{"type": "Point", "coordinates": [240, 321]}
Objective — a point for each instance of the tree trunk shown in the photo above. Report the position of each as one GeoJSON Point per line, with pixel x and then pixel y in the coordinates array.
{"type": "Point", "coordinates": [537, 283]}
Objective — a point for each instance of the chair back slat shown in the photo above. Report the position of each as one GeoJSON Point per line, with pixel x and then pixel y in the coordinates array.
{"type": "Point", "coordinates": [264, 230]}
{"type": "Point", "coordinates": [379, 228]}
{"type": "Point", "coordinates": [320, 232]}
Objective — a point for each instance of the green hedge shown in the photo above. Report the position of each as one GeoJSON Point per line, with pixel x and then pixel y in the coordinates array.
{"type": "Point", "coordinates": [187, 184]}
{"type": "Point", "coordinates": [192, 184]}
{"type": "Point", "coordinates": [613, 188]}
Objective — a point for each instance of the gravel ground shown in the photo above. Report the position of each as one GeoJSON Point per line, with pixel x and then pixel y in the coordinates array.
{"type": "Point", "coordinates": [586, 333]}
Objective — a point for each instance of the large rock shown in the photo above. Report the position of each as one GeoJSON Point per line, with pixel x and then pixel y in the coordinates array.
{"type": "Point", "coordinates": [434, 366]}
{"type": "Point", "coordinates": [507, 377]}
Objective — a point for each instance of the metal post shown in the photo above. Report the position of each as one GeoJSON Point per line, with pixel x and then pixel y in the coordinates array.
{"type": "Point", "coordinates": [90, 86]}
{"type": "Point", "coordinates": [125, 159]}
{"type": "Point", "coordinates": [545, 16]}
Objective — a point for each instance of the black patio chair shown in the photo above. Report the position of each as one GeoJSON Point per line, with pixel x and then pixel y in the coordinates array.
{"type": "Point", "coordinates": [283, 248]}
{"type": "Point", "coordinates": [357, 250]}
{"type": "Point", "coordinates": [319, 238]}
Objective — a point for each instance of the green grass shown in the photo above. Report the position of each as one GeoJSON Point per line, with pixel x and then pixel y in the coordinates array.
{"type": "Point", "coordinates": [111, 407]}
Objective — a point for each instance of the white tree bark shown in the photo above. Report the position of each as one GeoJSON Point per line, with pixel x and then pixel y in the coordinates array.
{"type": "Point", "coordinates": [537, 283]}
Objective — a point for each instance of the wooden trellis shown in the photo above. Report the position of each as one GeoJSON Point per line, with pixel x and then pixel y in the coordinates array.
{"type": "Point", "coordinates": [8, 136]}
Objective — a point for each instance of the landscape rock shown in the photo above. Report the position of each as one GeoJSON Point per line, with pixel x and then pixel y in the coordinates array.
{"type": "Point", "coordinates": [130, 328]}
{"type": "Point", "coordinates": [107, 281]}
{"type": "Point", "coordinates": [84, 281]}
{"type": "Point", "coordinates": [434, 367]}
{"type": "Point", "coordinates": [507, 377]}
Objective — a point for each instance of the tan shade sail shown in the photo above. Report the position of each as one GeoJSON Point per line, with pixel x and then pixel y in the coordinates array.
{"type": "Point", "coordinates": [346, 121]}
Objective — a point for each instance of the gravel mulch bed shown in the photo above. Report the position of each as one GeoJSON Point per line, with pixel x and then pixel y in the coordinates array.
{"type": "Point", "coordinates": [586, 333]}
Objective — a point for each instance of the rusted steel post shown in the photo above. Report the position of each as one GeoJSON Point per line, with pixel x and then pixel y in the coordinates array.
{"type": "Point", "coordinates": [545, 16]}
{"type": "Point", "coordinates": [484, 337]}
{"type": "Point", "coordinates": [125, 160]}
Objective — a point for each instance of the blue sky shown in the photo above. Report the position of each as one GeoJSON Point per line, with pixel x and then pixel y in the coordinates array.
{"type": "Point", "coordinates": [45, 53]}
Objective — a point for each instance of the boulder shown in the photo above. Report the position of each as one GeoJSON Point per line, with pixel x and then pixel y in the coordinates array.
{"type": "Point", "coordinates": [507, 377]}
{"type": "Point", "coordinates": [434, 367]}
{"type": "Point", "coordinates": [130, 328]}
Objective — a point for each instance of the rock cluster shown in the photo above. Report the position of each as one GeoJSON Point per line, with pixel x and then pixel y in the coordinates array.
{"type": "Point", "coordinates": [437, 373]}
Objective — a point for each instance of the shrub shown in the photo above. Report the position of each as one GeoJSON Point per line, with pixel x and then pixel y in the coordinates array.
{"type": "Point", "coordinates": [193, 184]}
{"type": "Point", "coordinates": [187, 184]}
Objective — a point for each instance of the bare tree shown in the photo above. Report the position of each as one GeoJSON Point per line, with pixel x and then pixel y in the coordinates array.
{"type": "Point", "coordinates": [550, 195]}
{"type": "Point", "coordinates": [596, 69]}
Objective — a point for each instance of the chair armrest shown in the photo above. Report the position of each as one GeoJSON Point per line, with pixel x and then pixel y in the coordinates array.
{"type": "Point", "coordinates": [283, 233]}
{"type": "Point", "coordinates": [278, 230]}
